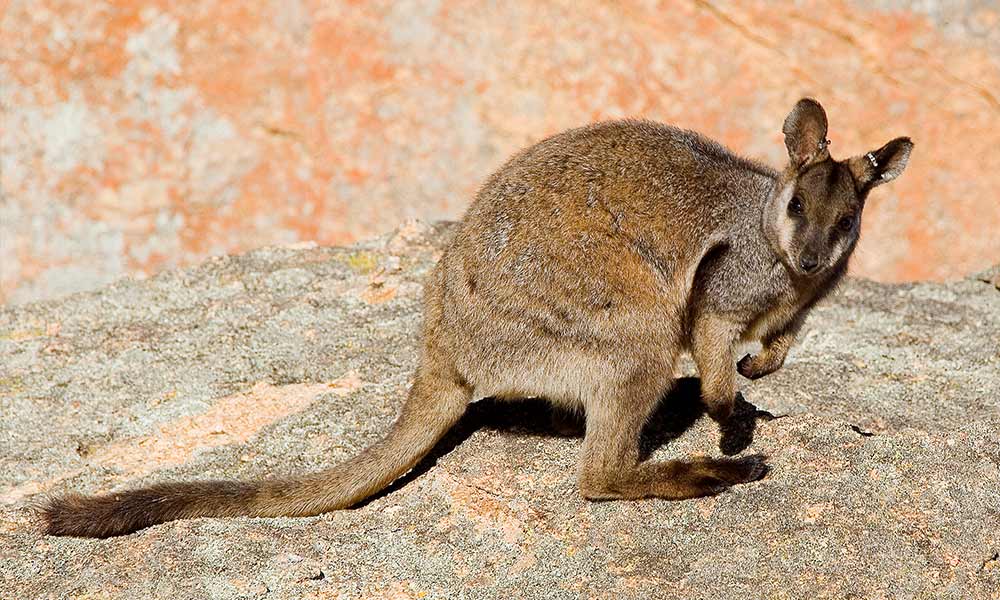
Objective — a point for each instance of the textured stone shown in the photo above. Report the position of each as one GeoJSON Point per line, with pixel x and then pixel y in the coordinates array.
{"type": "Point", "coordinates": [144, 135]}
{"type": "Point", "coordinates": [884, 480]}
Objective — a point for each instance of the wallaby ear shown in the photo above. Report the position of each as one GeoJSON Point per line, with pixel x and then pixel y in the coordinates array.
{"type": "Point", "coordinates": [882, 165]}
{"type": "Point", "coordinates": [805, 133]}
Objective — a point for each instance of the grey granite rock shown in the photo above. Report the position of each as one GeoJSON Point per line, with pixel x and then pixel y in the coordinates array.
{"type": "Point", "coordinates": [884, 479]}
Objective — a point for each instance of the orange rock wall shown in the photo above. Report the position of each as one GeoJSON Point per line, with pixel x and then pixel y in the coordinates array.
{"type": "Point", "coordinates": [143, 135]}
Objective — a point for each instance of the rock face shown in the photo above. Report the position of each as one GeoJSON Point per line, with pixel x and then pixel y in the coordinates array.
{"type": "Point", "coordinates": [138, 136]}
{"type": "Point", "coordinates": [884, 478]}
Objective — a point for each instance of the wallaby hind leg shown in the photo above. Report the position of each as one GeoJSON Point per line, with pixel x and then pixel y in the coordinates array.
{"type": "Point", "coordinates": [610, 467]}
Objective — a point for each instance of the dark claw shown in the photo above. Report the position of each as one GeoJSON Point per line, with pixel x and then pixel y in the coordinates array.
{"type": "Point", "coordinates": [744, 367]}
{"type": "Point", "coordinates": [758, 468]}
{"type": "Point", "coordinates": [765, 415]}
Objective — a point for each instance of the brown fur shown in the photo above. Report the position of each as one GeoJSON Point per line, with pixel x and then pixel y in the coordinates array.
{"type": "Point", "coordinates": [584, 267]}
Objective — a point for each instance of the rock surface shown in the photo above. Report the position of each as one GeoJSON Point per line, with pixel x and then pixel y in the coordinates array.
{"type": "Point", "coordinates": [138, 136]}
{"type": "Point", "coordinates": [884, 480]}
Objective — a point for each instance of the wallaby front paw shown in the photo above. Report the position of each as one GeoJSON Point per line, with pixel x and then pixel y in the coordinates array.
{"type": "Point", "coordinates": [753, 366]}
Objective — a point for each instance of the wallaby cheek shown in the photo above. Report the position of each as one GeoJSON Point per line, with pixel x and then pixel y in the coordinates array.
{"type": "Point", "coordinates": [840, 247]}
{"type": "Point", "coordinates": [787, 229]}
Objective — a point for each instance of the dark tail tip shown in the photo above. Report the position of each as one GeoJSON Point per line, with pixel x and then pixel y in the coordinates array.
{"type": "Point", "coordinates": [120, 513]}
{"type": "Point", "coordinates": [83, 516]}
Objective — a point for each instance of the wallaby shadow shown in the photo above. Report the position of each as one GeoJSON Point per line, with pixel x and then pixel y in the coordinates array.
{"type": "Point", "coordinates": [677, 411]}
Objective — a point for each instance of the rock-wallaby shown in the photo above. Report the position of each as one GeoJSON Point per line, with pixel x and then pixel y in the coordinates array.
{"type": "Point", "coordinates": [581, 271]}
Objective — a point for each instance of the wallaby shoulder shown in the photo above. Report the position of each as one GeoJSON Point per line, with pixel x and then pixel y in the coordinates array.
{"type": "Point", "coordinates": [667, 191]}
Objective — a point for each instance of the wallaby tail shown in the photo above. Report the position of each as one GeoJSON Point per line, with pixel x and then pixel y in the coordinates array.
{"type": "Point", "coordinates": [430, 411]}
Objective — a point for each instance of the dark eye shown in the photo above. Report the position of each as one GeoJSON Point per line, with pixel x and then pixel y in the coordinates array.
{"type": "Point", "coordinates": [795, 206]}
{"type": "Point", "coordinates": [845, 223]}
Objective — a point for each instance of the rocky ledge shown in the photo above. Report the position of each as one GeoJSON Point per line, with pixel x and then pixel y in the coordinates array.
{"type": "Point", "coordinates": [884, 448]}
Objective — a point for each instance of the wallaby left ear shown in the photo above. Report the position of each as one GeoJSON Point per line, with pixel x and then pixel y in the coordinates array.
{"type": "Point", "coordinates": [882, 165]}
{"type": "Point", "coordinates": [805, 133]}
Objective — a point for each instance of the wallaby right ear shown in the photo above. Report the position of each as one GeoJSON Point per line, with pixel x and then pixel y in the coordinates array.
{"type": "Point", "coordinates": [805, 133]}
{"type": "Point", "coordinates": [882, 165]}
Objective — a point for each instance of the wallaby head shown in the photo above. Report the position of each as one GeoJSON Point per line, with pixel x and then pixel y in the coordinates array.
{"type": "Point", "coordinates": [814, 214]}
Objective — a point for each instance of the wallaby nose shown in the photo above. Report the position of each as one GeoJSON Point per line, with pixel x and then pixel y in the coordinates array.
{"type": "Point", "coordinates": [808, 262]}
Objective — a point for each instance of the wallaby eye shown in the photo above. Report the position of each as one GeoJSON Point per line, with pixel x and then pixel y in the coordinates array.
{"type": "Point", "coordinates": [846, 223]}
{"type": "Point", "coordinates": [795, 206]}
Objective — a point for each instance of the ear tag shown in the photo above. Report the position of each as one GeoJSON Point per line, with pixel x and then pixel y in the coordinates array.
{"type": "Point", "coordinates": [871, 159]}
